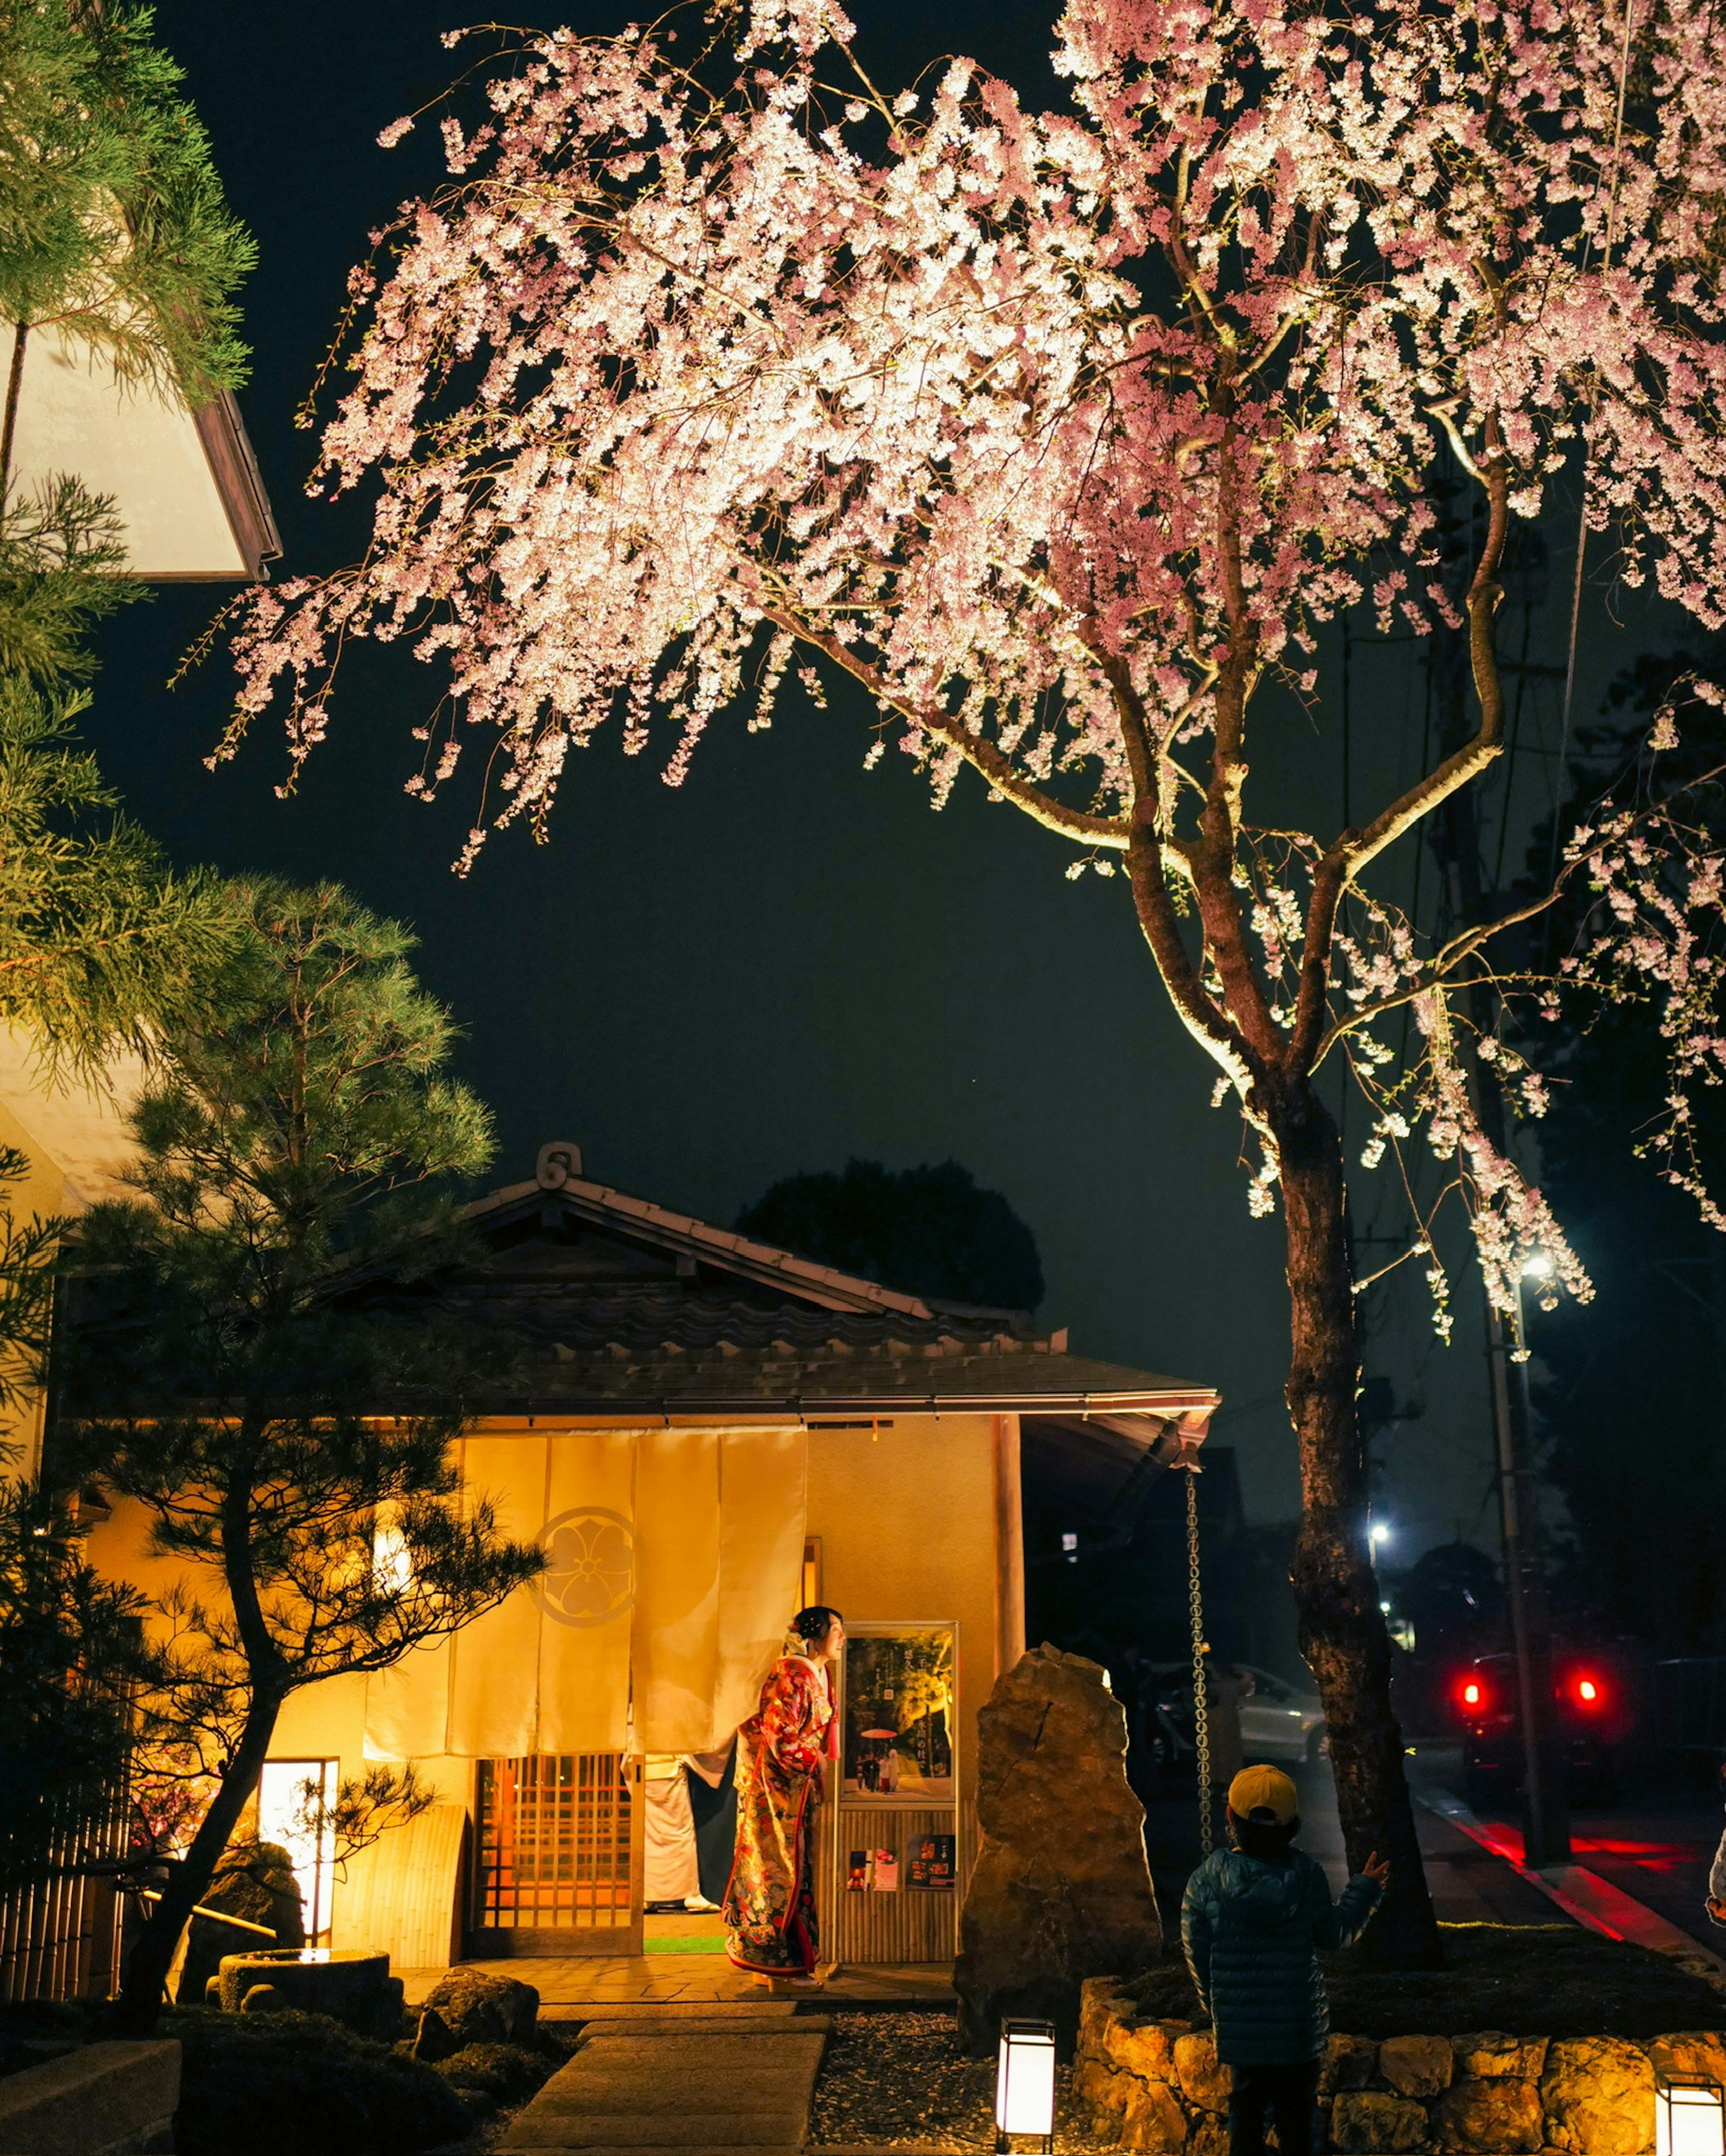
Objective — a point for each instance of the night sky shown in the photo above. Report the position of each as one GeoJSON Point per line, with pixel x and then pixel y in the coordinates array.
{"type": "Point", "coordinates": [788, 962]}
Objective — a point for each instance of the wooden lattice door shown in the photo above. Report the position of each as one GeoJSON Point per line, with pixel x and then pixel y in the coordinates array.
{"type": "Point", "coordinates": [559, 1867]}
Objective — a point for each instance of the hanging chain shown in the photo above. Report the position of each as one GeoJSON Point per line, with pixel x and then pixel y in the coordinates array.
{"type": "Point", "coordinates": [1201, 1709]}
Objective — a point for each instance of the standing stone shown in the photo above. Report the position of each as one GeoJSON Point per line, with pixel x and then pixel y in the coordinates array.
{"type": "Point", "coordinates": [1060, 1891]}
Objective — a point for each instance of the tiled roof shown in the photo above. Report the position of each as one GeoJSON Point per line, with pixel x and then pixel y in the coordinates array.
{"type": "Point", "coordinates": [622, 1305]}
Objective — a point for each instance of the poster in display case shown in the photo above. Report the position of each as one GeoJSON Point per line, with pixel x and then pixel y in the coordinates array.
{"type": "Point", "coordinates": [899, 1713]}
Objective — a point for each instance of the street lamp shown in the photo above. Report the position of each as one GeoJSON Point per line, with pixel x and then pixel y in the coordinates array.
{"type": "Point", "coordinates": [1379, 1533]}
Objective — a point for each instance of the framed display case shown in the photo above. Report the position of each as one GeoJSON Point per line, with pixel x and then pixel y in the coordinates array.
{"type": "Point", "coordinates": [895, 1869]}
{"type": "Point", "coordinates": [898, 1700]}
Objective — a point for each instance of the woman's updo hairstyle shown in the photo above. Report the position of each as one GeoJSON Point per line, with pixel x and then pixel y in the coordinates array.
{"type": "Point", "coordinates": [812, 1625]}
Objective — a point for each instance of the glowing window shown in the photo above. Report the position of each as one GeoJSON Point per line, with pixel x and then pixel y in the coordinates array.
{"type": "Point", "coordinates": [287, 1814]}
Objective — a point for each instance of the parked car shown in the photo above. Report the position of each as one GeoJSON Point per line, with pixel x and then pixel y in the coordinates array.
{"type": "Point", "coordinates": [1279, 1720]}
{"type": "Point", "coordinates": [1591, 1715]}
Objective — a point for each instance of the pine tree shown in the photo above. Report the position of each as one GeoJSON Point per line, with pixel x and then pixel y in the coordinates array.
{"type": "Point", "coordinates": [113, 228]}
{"type": "Point", "coordinates": [290, 1443]}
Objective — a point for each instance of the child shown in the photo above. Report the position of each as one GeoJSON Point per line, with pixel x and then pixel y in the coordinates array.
{"type": "Point", "coordinates": [1251, 1922]}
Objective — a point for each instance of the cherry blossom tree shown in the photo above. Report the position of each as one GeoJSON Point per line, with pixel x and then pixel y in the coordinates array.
{"type": "Point", "coordinates": [1065, 435]}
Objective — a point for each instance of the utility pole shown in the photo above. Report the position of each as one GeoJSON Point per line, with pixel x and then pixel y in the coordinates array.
{"type": "Point", "coordinates": [1455, 841]}
{"type": "Point", "coordinates": [1546, 1806]}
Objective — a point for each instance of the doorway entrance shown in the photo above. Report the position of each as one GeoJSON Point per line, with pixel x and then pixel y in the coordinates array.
{"type": "Point", "coordinates": [559, 1858]}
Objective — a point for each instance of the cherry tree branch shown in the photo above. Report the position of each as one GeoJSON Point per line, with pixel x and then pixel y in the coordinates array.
{"type": "Point", "coordinates": [983, 756]}
{"type": "Point", "coordinates": [1444, 964]}
{"type": "Point", "coordinates": [1352, 850]}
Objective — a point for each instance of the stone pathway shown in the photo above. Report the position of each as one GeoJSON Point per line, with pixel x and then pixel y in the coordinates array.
{"type": "Point", "coordinates": [575, 1988]}
{"type": "Point", "coordinates": [686, 2084]}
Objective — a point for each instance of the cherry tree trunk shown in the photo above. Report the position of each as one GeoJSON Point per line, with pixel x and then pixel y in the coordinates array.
{"type": "Point", "coordinates": [1342, 1633]}
{"type": "Point", "coordinates": [143, 1988]}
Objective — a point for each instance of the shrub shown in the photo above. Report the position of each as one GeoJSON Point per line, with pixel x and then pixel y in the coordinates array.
{"type": "Point", "coordinates": [302, 2085]}
{"type": "Point", "coordinates": [507, 2071]}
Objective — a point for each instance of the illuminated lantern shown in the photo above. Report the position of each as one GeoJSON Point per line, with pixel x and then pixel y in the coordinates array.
{"type": "Point", "coordinates": [1024, 2083]}
{"type": "Point", "coordinates": [1688, 2114]}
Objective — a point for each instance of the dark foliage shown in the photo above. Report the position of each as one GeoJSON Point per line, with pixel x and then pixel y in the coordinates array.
{"type": "Point", "coordinates": [925, 1230]}
{"type": "Point", "coordinates": [71, 1650]}
{"type": "Point", "coordinates": [302, 2085]}
{"type": "Point", "coordinates": [507, 2073]}
{"type": "Point", "coordinates": [1646, 1360]}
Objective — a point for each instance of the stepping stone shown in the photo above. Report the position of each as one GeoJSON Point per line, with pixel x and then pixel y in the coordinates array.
{"type": "Point", "coordinates": [728, 2009]}
{"type": "Point", "coordinates": [705, 2048]}
{"type": "Point", "coordinates": [614, 2032]}
{"type": "Point", "coordinates": [679, 2088]}
{"type": "Point", "coordinates": [753, 2130]}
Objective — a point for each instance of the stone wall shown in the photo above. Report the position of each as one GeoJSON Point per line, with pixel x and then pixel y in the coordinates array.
{"type": "Point", "coordinates": [1157, 2085]}
{"type": "Point", "coordinates": [101, 2100]}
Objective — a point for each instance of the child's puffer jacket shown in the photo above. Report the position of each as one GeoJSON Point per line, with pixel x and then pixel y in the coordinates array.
{"type": "Point", "coordinates": [1251, 1931]}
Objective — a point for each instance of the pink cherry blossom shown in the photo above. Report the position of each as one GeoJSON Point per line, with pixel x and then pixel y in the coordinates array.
{"type": "Point", "coordinates": [1063, 434]}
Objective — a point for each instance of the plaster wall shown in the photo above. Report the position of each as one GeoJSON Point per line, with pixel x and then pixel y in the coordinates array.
{"type": "Point", "coordinates": [906, 1518]}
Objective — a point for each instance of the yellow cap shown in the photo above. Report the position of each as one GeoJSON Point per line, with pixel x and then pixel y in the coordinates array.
{"type": "Point", "coordinates": [1263, 1793]}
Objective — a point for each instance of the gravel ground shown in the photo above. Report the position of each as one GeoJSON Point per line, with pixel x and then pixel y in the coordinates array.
{"type": "Point", "coordinates": [891, 2078]}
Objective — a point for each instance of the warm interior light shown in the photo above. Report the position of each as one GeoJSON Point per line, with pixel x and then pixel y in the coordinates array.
{"type": "Point", "coordinates": [1025, 2081]}
{"type": "Point", "coordinates": [1690, 2115]}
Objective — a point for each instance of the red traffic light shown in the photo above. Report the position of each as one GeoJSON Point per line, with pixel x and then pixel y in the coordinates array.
{"type": "Point", "coordinates": [1470, 1694]}
{"type": "Point", "coordinates": [1589, 1692]}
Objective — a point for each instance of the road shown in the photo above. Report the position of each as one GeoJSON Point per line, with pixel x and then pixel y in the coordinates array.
{"type": "Point", "coordinates": [1654, 1844]}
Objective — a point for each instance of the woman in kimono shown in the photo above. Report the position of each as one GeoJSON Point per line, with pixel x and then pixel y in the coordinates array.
{"type": "Point", "coordinates": [770, 1904]}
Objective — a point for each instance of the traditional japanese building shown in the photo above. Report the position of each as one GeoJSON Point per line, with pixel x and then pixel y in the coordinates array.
{"type": "Point", "coordinates": [705, 1434]}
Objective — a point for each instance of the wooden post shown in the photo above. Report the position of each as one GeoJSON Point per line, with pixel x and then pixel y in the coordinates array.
{"type": "Point", "coordinates": [1010, 1545]}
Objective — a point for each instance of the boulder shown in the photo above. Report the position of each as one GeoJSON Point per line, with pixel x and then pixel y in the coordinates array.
{"type": "Point", "coordinates": [1051, 1902]}
{"type": "Point", "coordinates": [1349, 2063]}
{"type": "Point", "coordinates": [1205, 2081]}
{"type": "Point", "coordinates": [1599, 2095]}
{"type": "Point", "coordinates": [1489, 2054]}
{"type": "Point", "coordinates": [1493, 2115]}
{"type": "Point", "coordinates": [1364, 2119]}
{"type": "Point", "coordinates": [473, 2008]}
{"type": "Point", "coordinates": [255, 1881]}
{"type": "Point", "coordinates": [1208, 2136]}
{"type": "Point", "coordinates": [434, 2039]}
{"type": "Point", "coordinates": [1416, 2066]}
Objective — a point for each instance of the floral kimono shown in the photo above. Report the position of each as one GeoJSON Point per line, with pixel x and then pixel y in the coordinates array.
{"type": "Point", "coordinates": [770, 1904]}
